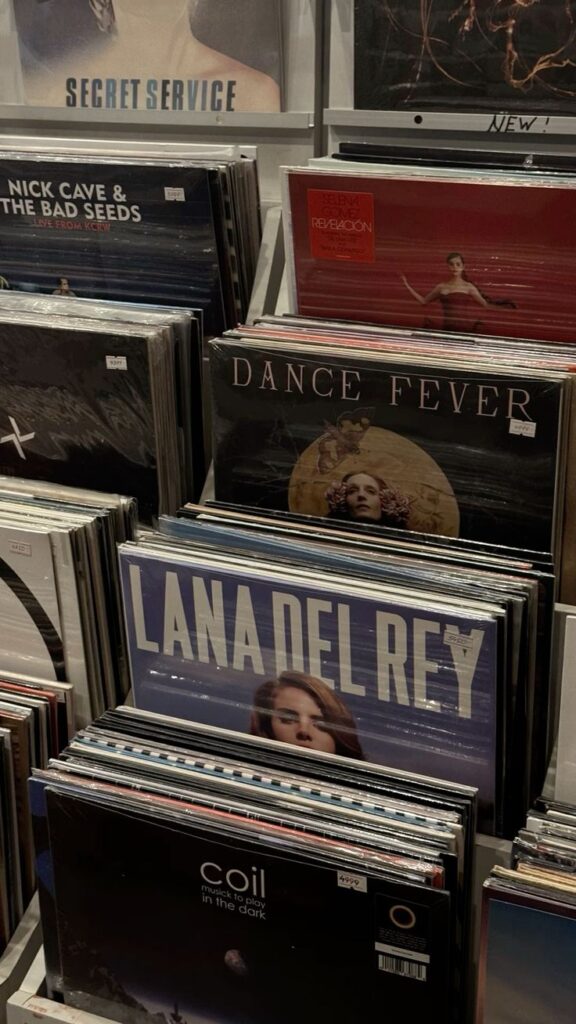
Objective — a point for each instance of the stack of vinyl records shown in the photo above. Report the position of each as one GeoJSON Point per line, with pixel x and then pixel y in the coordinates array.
{"type": "Point", "coordinates": [36, 722]}
{"type": "Point", "coordinates": [102, 395]}
{"type": "Point", "coordinates": [529, 925]}
{"type": "Point", "coordinates": [172, 225]}
{"type": "Point", "coordinates": [424, 658]}
{"type": "Point", "coordinates": [433, 463]}
{"type": "Point", "coordinates": [437, 245]}
{"type": "Point", "coordinates": [59, 589]}
{"type": "Point", "coordinates": [263, 888]}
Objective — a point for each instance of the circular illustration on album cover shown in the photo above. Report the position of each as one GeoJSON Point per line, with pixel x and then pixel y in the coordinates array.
{"type": "Point", "coordinates": [361, 473]}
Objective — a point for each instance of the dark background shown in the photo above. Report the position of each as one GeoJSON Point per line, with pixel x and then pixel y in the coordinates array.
{"type": "Point", "coordinates": [170, 258]}
{"type": "Point", "coordinates": [461, 63]}
{"type": "Point", "coordinates": [504, 488]}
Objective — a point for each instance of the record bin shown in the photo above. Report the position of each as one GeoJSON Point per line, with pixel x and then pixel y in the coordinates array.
{"type": "Point", "coordinates": [29, 1005]}
{"type": "Point", "coordinates": [17, 958]}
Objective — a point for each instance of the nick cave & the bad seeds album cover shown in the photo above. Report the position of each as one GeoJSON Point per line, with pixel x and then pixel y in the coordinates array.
{"type": "Point", "coordinates": [110, 231]}
{"type": "Point", "coordinates": [483, 55]}
{"type": "Point", "coordinates": [153, 55]}
{"type": "Point", "coordinates": [369, 437]}
{"type": "Point", "coordinates": [406, 248]}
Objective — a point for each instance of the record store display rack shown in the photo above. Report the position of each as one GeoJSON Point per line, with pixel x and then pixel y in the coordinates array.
{"type": "Point", "coordinates": [287, 511]}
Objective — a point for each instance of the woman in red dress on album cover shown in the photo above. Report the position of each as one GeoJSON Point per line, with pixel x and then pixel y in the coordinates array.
{"type": "Point", "coordinates": [459, 298]}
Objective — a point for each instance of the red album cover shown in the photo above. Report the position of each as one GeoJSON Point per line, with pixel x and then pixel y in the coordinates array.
{"type": "Point", "coordinates": [467, 256]}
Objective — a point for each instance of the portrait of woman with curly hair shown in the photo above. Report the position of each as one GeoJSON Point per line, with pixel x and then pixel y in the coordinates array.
{"type": "Point", "coordinates": [366, 498]}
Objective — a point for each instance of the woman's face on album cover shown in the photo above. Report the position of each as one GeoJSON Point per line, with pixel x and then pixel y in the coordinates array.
{"type": "Point", "coordinates": [298, 719]}
{"type": "Point", "coordinates": [363, 497]}
{"type": "Point", "coordinates": [456, 265]}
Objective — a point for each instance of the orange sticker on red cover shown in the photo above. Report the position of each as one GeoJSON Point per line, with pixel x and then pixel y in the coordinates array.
{"type": "Point", "coordinates": [341, 225]}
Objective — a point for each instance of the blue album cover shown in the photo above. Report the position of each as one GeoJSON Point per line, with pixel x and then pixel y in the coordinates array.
{"type": "Point", "coordinates": [320, 665]}
{"type": "Point", "coordinates": [105, 230]}
{"type": "Point", "coordinates": [528, 964]}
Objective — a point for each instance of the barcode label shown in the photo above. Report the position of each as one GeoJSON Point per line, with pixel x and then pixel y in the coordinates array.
{"type": "Point", "coordinates": [403, 968]}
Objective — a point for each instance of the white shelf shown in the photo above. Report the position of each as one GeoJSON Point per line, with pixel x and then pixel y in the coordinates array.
{"type": "Point", "coordinates": [291, 120]}
{"type": "Point", "coordinates": [495, 125]}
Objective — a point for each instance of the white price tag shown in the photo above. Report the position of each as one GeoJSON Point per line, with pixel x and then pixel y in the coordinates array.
{"type": "Point", "coordinates": [522, 428]}
{"type": "Point", "coordinates": [116, 363]}
{"type": "Point", "coordinates": [19, 548]}
{"type": "Point", "coordinates": [174, 195]}
{"type": "Point", "coordinates": [347, 880]}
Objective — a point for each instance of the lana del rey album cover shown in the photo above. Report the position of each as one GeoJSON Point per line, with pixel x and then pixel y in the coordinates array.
{"type": "Point", "coordinates": [452, 55]}
{"type": "Point", "coordinates": [475, 256]}
{"type": "Point", "coordinates": [183, 924]}
{"type": "Point", "coordinates": [109, 230]}
{"type": "Point", "coordinates": [368, 676]}
{"type": "Point", "coordinates": [427, 448]}
{"type": "Point", "coordinates": [160, 56]}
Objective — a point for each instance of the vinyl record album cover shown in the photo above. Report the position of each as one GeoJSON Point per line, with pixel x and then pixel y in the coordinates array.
{"type": "Point", "coordinates": [527, 973]}
{"type": "Point", "coordinates": [76, 409]}
{"type": "Point", "coordinates": [172, 55]}
{"type": "Point", "coordinates": [233, 930]}
{"type": "Point", "coordinates": [476, 256]}
{"type": "Point", "coordinates": [367, 439]}
{"type": "Point", "coordinates": [29, 612]}
{"type": "Point", "coordinates": [343, 669]}
{"type": "Point", "coordinates": [482, 55]}
{"type": "Point", "coordinates": [110, 231]}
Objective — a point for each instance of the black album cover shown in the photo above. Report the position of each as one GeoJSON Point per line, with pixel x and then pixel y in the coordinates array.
{"type": "Point", "coordinates": [76, 409]}
{"type": "Point", "coordinates": [451, 55]}
{"type": "Point", "coordinates": [103, 230]}
{"type": "Point", "coordinates": [172, 921]}
{"type": "Point", "coordinates": [458, 453]}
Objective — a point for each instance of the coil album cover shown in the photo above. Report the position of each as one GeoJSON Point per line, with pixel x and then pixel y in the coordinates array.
{"type": "Point", "coordinates": [226, 930]}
